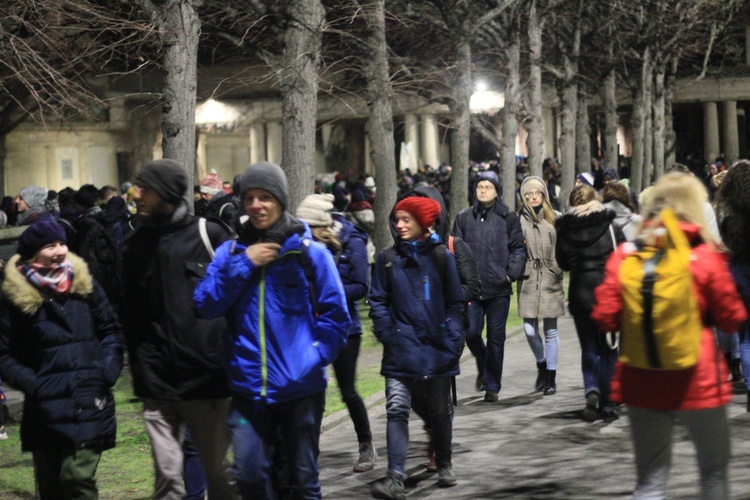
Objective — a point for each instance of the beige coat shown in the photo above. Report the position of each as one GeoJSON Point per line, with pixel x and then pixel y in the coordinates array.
{"type": "Point", "coordinates": [540, 289]}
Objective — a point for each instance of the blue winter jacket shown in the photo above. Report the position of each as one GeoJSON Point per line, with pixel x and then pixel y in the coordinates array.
{"type": "Point", "coordinates": [276, 349]}
{"type": "Point", "coordinates": [353, 268]}
{"type": "Point", "coordinates": [416, 317]}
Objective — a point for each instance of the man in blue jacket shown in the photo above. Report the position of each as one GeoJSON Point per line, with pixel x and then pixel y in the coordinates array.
{"type": "Point", "coordinates": [288, 320]}
{"type": "Point", "coordinates": [496, 239]}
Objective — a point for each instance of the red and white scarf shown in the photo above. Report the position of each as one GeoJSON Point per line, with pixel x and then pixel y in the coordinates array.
{"type": "Point", "coordinates": [55, 280]}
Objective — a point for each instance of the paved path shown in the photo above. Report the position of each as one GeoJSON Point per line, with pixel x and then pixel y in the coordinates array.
{"type": "Point", "coordinates": [526, 445]}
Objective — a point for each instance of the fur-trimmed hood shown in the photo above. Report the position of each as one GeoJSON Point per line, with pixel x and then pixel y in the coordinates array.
{"type": "Point", "coordinates": [25, 296]}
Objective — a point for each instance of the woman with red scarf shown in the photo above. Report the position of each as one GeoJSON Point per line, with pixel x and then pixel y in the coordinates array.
{"type": "Point", "coordinates": [61, 344]}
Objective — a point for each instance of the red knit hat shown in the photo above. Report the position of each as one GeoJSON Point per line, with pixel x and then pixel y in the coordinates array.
{"type": "Point", "coordinates": [424, 210]}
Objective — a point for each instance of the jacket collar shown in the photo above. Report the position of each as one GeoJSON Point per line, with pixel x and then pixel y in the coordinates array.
{"type": "Point", "coordinates": [28, 298]}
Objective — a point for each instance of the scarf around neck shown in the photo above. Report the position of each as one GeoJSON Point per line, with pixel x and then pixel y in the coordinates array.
{"type": "Point", "coordinates": [51, 281]}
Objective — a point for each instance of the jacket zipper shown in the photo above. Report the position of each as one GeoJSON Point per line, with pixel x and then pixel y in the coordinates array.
{"type": "Point", "coordinates": [262, 330]}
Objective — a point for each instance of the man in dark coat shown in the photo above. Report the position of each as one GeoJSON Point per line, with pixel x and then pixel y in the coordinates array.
{"type": "Point", "coordinates": [174, 355]}
{"type": "Point", "coordinates": [495, 236]}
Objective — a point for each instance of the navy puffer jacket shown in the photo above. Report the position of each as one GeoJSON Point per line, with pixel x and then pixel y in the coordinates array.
{"type": "Point", "coordinates": [417, 318]}
{"type": "Point", "coordinates": [353, 268]}
{"type": "Point", "coordinates": [65, 357]}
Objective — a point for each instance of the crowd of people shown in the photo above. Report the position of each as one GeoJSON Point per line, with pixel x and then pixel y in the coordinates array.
{"type": "Point", "coordinates": [230, 317]}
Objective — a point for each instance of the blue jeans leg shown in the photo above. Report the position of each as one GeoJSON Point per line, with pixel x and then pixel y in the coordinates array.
{"type": "Point", "coordinates": [474, 335]}
{"type": "Point", "coordinates": [255, 429]}
{"type": "Point", "coordinates": [744, 334]}
{"type": "Point", "coordinates": [195, 479]}
{"type": "Point", "coordinates": [597, 359]}
{"type": "Point", "coordinates": [398, 405]}
{"type": "Point", "coordinates": [497, 315]}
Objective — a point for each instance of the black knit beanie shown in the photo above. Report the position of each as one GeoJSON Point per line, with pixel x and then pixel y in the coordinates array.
{"type": "Point", "coordinates": [167, 177]}
{"type": "Point", "coordinates": [268, 176]}
{"type": "Point", "coordinates": [38, 235]}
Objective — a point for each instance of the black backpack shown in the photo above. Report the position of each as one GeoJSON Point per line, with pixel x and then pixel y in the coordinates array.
{"type": "Point", "coordinates": [102, 252]}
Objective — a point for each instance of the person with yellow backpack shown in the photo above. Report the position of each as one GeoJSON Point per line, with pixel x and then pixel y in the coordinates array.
{"type": "Point", "coordinates": [663, 293]}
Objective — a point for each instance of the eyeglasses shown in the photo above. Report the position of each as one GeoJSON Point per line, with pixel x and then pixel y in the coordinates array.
{"type": "Point", "coordinates": [533, 194]}
{"type": "Point", "coordinates": [486, 188]}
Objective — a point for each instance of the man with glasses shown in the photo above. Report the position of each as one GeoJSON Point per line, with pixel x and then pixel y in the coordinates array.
{"type": "Point", "coordinates": [494, 234]}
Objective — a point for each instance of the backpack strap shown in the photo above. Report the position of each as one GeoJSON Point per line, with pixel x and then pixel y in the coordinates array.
{"type": "Point", "coordinates": [204, 237]}
{"type": "Point", "coordinates": [306, 264]}
{"type": "Point", "coordinates": [450, 244]}
{"type": "Point", "coordinates": [647, 292]}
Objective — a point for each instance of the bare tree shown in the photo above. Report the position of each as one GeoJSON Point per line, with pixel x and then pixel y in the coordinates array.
{"type": "Point", "coordinates": [533, 107]}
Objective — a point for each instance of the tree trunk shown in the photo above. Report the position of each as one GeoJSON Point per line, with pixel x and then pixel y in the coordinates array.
{"type": "Point", "coordinates": [3, 156]}
{"type": "Point", "coordinates": [460, 130]}
{"type": "Point", "coordinates": [670, 138]}
{"type": "Point", "coordinates": [298, 81]}
{"type": "Point", "coordinates": [179, 30]}
{"type": "Point", "coordinates": [658, 131]}
{"type": "Point", "coordinates": [648, 133]}
{"type": "Point", "coordinates": [609, 98]}
{"type": "Point", "coordinates": [583, 136]}
{"type": "Point", "coordinates": [568, 109]}
{"type": "Point", "coordinates": [535, 139]}
{"type": "Point", "coordinates": [379, 126]}
{"type": "Point", "coordinates": [510, 121]}
{"type": "Point", "coordinates": [640, 107]}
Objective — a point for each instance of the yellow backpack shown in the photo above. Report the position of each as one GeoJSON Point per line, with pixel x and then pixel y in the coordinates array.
{"type": "Point", "coordinates": [661, 321]}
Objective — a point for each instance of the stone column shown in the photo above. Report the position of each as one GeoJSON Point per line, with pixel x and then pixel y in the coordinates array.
{"type": "Point", "coordinates": [201, 158]}
{"type": "Point", "coordinates": [273, 142]}
{"type": "Point", "coordinates": [731, 135]}
{"type": "Point", "coordinates": [429, 149]}
{"type": "Point", "coordinates": [548, 131]}
{"type": "Point", "coordinates": [710, 131]}
{"type": "Point", "coordinates": [257, 142]}
{"type": "Point", "coordinates": [369, 167]}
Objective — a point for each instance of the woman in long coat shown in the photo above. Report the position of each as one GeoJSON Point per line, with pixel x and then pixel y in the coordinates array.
{"type": "Point", "coordinates": [540, 288]}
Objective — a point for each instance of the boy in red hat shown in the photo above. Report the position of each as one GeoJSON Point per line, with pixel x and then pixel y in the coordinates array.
{"type": "Point", "coordinates": [416, 304]}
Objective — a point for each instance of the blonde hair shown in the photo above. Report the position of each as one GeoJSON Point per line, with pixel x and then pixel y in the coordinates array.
{"type": "Point", "coordinates": [326, 236]}
{"type": "Point", "coordinates": [581, 194]}
{"type": "Point", "coordinates": [686, 196]}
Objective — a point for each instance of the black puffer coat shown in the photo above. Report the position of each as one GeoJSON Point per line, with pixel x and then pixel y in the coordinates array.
{"type": "Point", "coordinates": [174, 353]}
{"type": "Point", "coordinates": [584, 243]}
{"type": "Point", "coordinates": [65, 357]}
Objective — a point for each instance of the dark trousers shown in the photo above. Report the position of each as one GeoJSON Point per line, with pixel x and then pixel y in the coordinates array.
{"type": "Point", "coordinates": [256, 428]}
{"type": "Point", "coordinates": [345, 368]}
{"type": "Point", "coordinates": [489, 357]}
{"type": "Point", "coordinates": [195, 478]}
{"type": "Point", "coordinates": [597, 359]}
{"type": "Point", "coordinates": [398, 393]}
{"type": "Point", "coordinates": [65, 473]}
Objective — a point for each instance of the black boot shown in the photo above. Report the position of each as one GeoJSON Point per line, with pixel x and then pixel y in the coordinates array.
{"type": "Point", "coordinates": [541, 375]}
{"type": "Point", "coordinates": [550, 388]}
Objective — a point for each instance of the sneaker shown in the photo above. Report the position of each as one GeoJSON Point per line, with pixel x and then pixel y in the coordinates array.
{"type": "Point", "coordinates": [3, 434]}
{"type": "Point", "coordinates": [479, 383]}
{"type": "Point", "coordinates": [392, 487]}
{"type": "Point", "coordinates": [368, 455]}
{"type": "Point", "coordinates": [446, 476]}
{"type": "Point", "coordinates": [490, 397]}
{"type": "Point", "coordinates": [589, 412]}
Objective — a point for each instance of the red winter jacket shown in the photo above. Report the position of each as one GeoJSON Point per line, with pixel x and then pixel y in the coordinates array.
{"type": "Point", "coordinates": [699, 387]}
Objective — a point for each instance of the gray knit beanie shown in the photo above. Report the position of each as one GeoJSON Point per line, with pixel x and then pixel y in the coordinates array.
{"type": "Point", "coordinates": [268, 176]}
{"type": "Point", "coordinates": [34, 196]}
{"type": "Point", "coordinates": [167, 177]}
{"type": "Point", "coordinates": [316, 209]}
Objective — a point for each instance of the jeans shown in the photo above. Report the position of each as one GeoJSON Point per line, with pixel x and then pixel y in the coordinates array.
{"type": "Point", "coordinates": [195, 478]}
{"type": "Point", "coordinates": [398, 393]}
{"type": "Point", "coordinates": [489, 358]}
{"type": "Point", "coordinates": [651, 432]}
{"type": "Point", "coordinates": [744, 338]}
{"type": "Point", "coordinates": [729, 343]}
{"type": "Point", "coordinates": [345, 368]}
{"type": "Point", "coordinates": [597, 359]}
{"type": "Point", "coordinates": [551, 342]}
{"type": "Point", "coordinates": [66, 473]}
{"type": "Point", "coordinates": [256, 428]}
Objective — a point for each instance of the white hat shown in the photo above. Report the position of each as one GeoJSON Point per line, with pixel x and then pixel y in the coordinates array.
{"type": "Point", "coordinates": [316, 209]}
